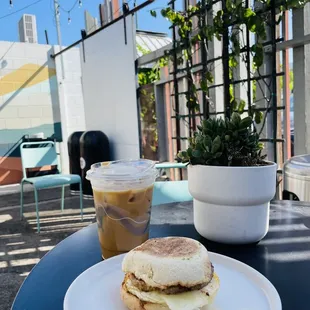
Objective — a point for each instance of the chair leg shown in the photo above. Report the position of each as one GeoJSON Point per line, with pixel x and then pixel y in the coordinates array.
{"type": "Point", "coordinates": [37, 208]}
{"type": "Point", "coordinates": [63, 199]}
{"type": "Point", "coordinates": [81, 200]}
{"type": "Point", "coordinates": [21, 199]}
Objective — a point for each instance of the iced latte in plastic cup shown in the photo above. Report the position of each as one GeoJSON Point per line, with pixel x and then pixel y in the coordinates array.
{"type": "Point", "coordinates": [122, 194]}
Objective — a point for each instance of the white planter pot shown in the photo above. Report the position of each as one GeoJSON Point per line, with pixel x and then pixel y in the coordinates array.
{"type": "Point", "coordinates": [231, 204]}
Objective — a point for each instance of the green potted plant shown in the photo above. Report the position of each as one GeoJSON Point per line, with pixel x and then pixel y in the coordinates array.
{"type": "Point", "coordinates": [229, 180]}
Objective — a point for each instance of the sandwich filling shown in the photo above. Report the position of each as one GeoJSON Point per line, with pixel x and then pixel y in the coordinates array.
{"type": "Point", "coordinates": [169, 290]}
{"type": "Point", "coordinates": [183, 300]}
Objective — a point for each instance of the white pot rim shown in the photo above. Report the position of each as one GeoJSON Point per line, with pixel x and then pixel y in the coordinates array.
{"type": "Point", "coordinates": [272, 165]}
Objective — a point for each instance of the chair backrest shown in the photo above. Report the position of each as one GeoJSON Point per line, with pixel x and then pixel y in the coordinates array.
{"type": "Point", "coordinates": [38, 154]}
{"type": "Point", "coordinates": [170, 165]}
{"type": "Point", "coordinates": [170, 191]}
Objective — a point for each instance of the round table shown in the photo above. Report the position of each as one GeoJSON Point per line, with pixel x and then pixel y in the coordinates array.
{"type": "Point", "coordinates": [283, 256]}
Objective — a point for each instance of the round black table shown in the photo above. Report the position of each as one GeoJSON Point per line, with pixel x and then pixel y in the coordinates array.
{"type": "Point", "coordinates": [283, 256]}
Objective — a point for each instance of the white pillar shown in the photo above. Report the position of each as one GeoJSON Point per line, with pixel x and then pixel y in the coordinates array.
{"type": "Point", "coordinates": [240, 72]}
{"type": "Point", "coordinates": [301, 69]}
{"type": "Point", "coordinates": [215, 50]}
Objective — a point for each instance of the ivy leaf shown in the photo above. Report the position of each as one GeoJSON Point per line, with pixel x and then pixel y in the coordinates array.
{"type": "Point", "coordinates": [279, 19]}
{"type": "Point", "coordinates": [253, 22]}
{"type": "Point", "coordinates": [186, 55]}
{"type": "Point", "coordinates": [233, 63]}
{"type": "Point", "coordinates": [204, 85]}
{"type": "Point", "coordinates": [241, 106]}
{"type": "Point", "coordinates": [258, 117]}
{"type": "Point", "coordinates": [231, 93]}
{"type": "Point", "coordinates": [153, 13]}
{"type": "Point", "coordinates": [184, 154]}
{"type": "Point", "coordinates": [234, 104]}
{"type": "Point", "coordinates": [248, 13]}
{"type": "Point", "coordinates": [220, 13]}
{"type": "Point", "coordinates": [229, 5]}
{"type": "Point", "coordinates": [218, 36]}
{"type": "Point", "coordinates": [261, 145]}
{"type": "Point", "coordinates": [259, 54]}
{"type": "Point", "coordinates": [209, 77]}
{"type": "Point", "coordinates": [165, 12]}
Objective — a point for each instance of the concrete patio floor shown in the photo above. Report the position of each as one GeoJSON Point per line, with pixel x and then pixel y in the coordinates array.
{"type": "Point", "coordinates": [21, 247]}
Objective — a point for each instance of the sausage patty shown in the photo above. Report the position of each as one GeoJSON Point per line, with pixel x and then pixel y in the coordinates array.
{"type": "Point", "coordinates": [176, 289]}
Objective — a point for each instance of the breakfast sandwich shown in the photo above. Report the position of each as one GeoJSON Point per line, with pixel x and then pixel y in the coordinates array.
{"type": "Point", "coordinates": [168, 273]}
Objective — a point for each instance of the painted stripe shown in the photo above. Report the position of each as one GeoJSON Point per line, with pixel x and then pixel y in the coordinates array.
{"type": "Point", "coordinates": [26, 76]}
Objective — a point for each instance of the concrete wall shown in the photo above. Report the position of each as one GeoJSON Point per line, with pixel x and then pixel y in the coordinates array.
{"type": "Point", "coordinates": [70, 99]}
{"type": "Point", "coordinates": [28, 101]}
{"type": "Point", "coordinates": [109, 88]}
{"type": "Point", "coordinates": [34, 98]}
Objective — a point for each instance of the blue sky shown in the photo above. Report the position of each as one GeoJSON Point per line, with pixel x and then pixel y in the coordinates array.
{"type": "Point", "coordinates": [70, 33]}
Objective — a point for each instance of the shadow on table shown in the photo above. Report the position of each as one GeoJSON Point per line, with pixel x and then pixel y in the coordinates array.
{"type": "Point", "coordinates": [282, 256]}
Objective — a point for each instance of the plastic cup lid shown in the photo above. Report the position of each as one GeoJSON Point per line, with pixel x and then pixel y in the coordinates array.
{"type": "Point", "coordinates": [122, 170]}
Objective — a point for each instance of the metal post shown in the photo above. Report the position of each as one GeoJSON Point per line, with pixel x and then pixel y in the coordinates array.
{"type": "Point", "coordinates": [204, 58]}
{"type": "Point", "coordinates": [46, 37]}
{"type": "Point", "coordinates": [59, 36]}
{"type": "Point", "coordinates": [248, 67]}
{"type": "Point", "coordinates": [274, 80]}
{"type": "Point", "coordinates": [226, 62]}
{"type": "Point", "coordinates": [286, 90]}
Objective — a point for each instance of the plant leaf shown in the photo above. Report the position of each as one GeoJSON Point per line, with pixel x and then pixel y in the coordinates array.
{"type": "Point", "coordinates": [209, 77]}
{"type": "Point", "coordinates": [197, 153]}
{"type": "Point", "coordinates": [241, 106]}
{"type": "Point", "coordinates": [246, 122]}
{"type": "Point", "coordinates": [204, 85]}
{"type": "Point", "coordinates": [248, 13]}
{"type": "Point", "coordinates": [207, 141]}
{"type": "Point", "coordinates": [216, 144]}
{"type": "Point", "coordinates": [235, 118]}
{"type": "Point", "coordinates": [258, 117]}
{"type": "Point", "coordinates": [153, 13]}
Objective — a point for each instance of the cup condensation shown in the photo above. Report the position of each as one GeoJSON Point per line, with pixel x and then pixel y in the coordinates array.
{"type": "Point", "coordinates": [122, 195]}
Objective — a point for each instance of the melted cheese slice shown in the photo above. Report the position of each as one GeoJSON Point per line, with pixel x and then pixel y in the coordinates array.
{"type": "Point", "coordinates": [184, 301]}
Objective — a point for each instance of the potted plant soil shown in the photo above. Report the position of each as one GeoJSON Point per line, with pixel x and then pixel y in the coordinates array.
{"type": "Point", "coordinates": [229, 180]}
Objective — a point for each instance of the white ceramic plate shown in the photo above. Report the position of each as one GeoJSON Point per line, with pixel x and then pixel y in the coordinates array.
{"type": "Point", "coordinates": [242, 287]}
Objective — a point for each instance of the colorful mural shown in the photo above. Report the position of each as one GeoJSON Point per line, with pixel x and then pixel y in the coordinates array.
{"type": "Point", "coordinates": [28, 105]}
{"type": "Point", "coordinates": [26, 76]}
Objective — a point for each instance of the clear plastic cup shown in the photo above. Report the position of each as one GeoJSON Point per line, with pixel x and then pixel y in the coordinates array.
{"type": "Point", "coordinates": [122, 194]}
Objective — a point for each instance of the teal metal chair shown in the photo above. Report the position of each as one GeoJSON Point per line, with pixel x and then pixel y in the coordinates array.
{"type": "Point", "coordinates": [39, 154]}
{"type": "Point", "coordinates": [169, 165]}
{"type": "Point", "coordinates": [170, 191]}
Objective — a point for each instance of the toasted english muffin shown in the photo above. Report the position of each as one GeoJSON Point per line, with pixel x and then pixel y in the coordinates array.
{"type": "Point", "coordinates": [171, 261]}
{"type": "Point", "coordinates": [137, 300]}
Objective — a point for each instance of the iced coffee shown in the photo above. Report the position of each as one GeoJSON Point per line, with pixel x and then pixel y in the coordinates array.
{"type": "Point", "coordinates": [122, 195]}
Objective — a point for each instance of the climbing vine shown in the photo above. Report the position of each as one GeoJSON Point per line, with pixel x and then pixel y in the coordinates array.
{"type": "Point", "coordinates": [147, 76]}
{"type": "Point", "coordinates": [230, 21]}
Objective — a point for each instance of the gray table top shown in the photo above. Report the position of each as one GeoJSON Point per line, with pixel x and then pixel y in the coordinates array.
{"type": "Point", "coordinates": [283, 256]}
